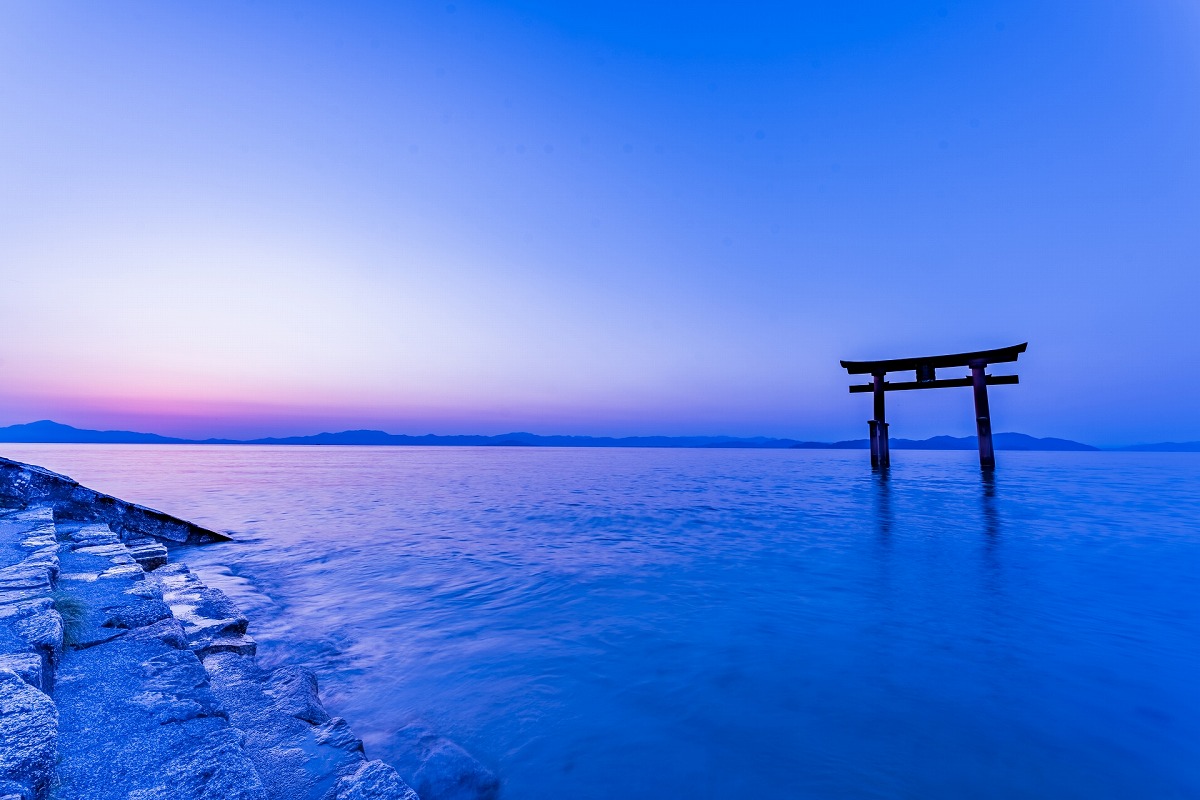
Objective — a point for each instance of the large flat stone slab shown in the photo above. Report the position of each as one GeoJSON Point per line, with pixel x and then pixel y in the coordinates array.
{"type": "Point", "coordinates": [137, 719]}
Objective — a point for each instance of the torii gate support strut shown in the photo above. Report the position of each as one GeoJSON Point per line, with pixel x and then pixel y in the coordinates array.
{"type": "Point", "coordinates": [925, 368]}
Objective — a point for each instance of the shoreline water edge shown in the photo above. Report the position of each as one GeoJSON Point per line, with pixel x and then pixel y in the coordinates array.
{"type": "Point", "coordinates": [123, 676]}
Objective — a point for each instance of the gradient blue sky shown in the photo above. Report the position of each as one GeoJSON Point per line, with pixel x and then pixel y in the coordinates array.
{"type": "Point", "coordinates": [612, 218]}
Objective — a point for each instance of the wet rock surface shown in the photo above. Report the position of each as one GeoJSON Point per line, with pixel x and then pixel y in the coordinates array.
{"type": "Point", "coordinates": [211, 621]}
{"type": "Point", "coordinates": [297, 747]}
{"type": "Point", "coordinates": [374, 780]}
{"type": "Point", "coordinates": [125, 677]}
{"type": "Point", "coordinates": [439, 769]}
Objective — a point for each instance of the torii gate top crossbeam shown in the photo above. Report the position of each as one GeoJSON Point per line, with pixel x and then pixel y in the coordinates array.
{"type": "Point", "coordinates": [978, 358]}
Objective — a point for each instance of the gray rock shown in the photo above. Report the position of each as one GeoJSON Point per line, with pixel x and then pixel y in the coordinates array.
{"type": "Point", "coordinates": [374, 780]}
{"type": "Point", "coordinates": [24, 608]}
{"type": "Point", "coordinates": [174, 671]}
{"type": "Point", "coordinates": [441, 770]}
{"type": "Point", "coordinates": [29, 512]}
{"type": "Point", "coordinates": [175, 689]}
{"type": "Point", "coordinates": [336, 733]}
{"type": "Point", "coordinates": [149, 554]}
{"type": "Point", "coordinates": [115, 552]}
{"type": "Point", "coordinates": [216, 769]}
{"type": "Point", "coordinates": [215, 605]}
{"type": "Point", "coordinates": [211, 621]}
{"type": "Point", "coordinates": [26, 576]}
{"type": "Point", "coordinates": [294, 690]}
{"type": "Point", "coordinates": [136, 615]}
{"type": "Point", "coordinates": [167, 631]}
{"type": "Point", "coordinates": [28, 734]}
{"type": "Point", "coordinates": [10, 790]}
{"type": "Point", "coordinates": [11, 596]}
{"type": "Point", "coordinates": [130, 571]}
{"type": "Point", "coordinates": [89, 536]}
{"type": "Point", "coordinates": [146, 590]}
{"type": "Point", "coordinates": [28, 666]}
{"type": "Point", "coordinates": [238, 645]}
{"type": "Point", "coordinates": [43, 631]}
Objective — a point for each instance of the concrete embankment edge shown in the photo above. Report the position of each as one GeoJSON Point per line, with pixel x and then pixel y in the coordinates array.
{"type": "Point", "coordinates": [23, 485]}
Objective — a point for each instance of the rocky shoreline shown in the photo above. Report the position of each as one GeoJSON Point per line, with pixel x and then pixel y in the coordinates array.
{"type": "Point", "coordinates": [124, 676]}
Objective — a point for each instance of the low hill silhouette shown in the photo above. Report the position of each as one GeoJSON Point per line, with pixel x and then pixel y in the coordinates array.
{"type": "Point", "coordinates": [48, 431]}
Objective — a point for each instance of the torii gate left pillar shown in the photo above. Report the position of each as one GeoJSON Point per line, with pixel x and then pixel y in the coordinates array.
{"type": "Point", "coordinates": [880, 456]}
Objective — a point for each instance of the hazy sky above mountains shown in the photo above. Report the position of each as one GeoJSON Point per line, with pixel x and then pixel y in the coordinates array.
{"type": "Point", "coordinates": [618, 218]}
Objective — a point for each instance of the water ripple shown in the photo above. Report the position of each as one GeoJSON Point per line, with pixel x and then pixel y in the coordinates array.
{"type": "Point", "coordinates": [657, 623]}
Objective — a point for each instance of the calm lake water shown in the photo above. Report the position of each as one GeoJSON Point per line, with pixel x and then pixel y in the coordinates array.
{"type": "Point", "coordinates": [720, 623]}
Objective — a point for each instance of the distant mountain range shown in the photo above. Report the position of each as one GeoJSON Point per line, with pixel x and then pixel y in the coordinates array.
{"type": "Point", "coordinates": [47, 431]}
{"type": "Point", "coordinates": [1162, 447]}
{"type": "Point", "coordinates": [1001, 441]}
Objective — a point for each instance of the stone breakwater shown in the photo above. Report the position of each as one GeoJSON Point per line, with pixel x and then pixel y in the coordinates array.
{"type": "Point", "coordinates": [124, 676]}
{"type": "Point", "coordinates": [23, 485]}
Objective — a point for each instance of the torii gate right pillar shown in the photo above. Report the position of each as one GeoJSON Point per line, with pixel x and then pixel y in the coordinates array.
{"type": "Point", "coordinates": [983, 416]}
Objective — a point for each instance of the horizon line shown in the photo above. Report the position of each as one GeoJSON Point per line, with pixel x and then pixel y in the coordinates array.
{"type": "Point", "coordinates": [699, 440]}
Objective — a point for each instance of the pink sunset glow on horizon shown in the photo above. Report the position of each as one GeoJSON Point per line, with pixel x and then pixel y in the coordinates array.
{"type": "Point", "coordinates": [187, 418]}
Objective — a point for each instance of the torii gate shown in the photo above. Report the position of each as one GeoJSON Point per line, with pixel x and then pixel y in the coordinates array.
{"type": "Point", "coordinates": [924, 366]}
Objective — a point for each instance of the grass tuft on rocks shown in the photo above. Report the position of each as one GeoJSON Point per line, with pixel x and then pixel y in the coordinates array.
{"type": "Point", "coordinates": [73, 611]}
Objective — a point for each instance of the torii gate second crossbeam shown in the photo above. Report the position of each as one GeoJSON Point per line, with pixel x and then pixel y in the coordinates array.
{"type": "Point", "coordinates": [925, 368]}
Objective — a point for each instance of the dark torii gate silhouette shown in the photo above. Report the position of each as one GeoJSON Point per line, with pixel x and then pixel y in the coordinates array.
{"type": "Point", "coordinates": [925, 368]}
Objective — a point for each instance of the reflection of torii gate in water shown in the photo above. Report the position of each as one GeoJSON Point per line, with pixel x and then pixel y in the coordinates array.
{"type": "Point", "coordinates": [925, 366]}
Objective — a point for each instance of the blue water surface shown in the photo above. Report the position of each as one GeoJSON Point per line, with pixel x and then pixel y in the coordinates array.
{"type": "Point", "coordinates": [597, 623]}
